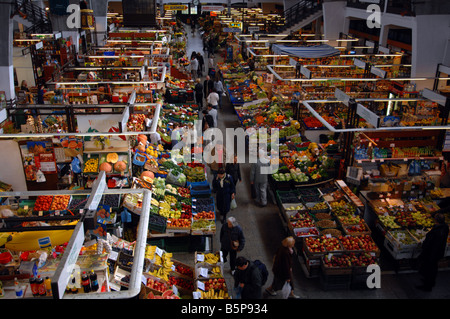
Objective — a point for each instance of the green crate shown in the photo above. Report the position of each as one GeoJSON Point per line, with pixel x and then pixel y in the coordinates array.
{"type": "Point", "coordinates": [157, 242]}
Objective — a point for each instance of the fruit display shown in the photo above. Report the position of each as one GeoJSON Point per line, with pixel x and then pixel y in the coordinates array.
{"type": "Point", "coordinates": [306, 232]}
{"type": "Point", "coordinates": [349, 220]}
{"type": "Point", "coordinates": [360, 228]}
{"type": "Point", "coordinates": [299, 215]}
{"type": "Point", "coordinates": [184, 270]}
{"type": "Point", "coordinates": [60, 202]}
{"type": "Point", "coordinates": [322, 206]}
{"type": "Point", "coordinates": [209, 258]}
{"type": "Point", "coordinates": [184, 192]}
{"type": "Point", "coordinates": [423, 219]}
{"type": "Point", "coordinates": [302, 223]}
{"type": "Point", "coordinates": [388, 222]}
{"type": "Point", "coordinates": [168, 211]}
{"type": "Point", "coordinates": [405, 219]}
{"type": "Point", "coordinates": [362, 259]}
{"type": "Point", "coordinates": [91, 166]}
{"type": "Point", "coordinates": [203, 226]}
{"type": "Point", "coordinates": [403, 237]}
{"type": "Point", "coordinates": [168, 294]}
{"type": "Point", "coordinates": [337, 261]}
{"type": "Point", "coordinates": [325, 223]}
{"type": "Point", "coordinates": [204, 215]}
{"type": "Point", "coordinates": [203, 204]}
{"type": "Point", "coordinates": [331, 231]}
{"type": "Point", "coordinates": [184, 283]}
{"type": "Point", "coordinates": [194, 174]}
{"type": "Point", "coordinates": [322, 244]}
{"type": "Point", "coordinates": [43, 203]}
{"type": "Point", "coordinates": [342, 208]}
{"type": "Point", "coordinates": [356, 243]}
{"type": "Point", "coordinates": [215, 283]}
{"type": "Point", "coordinates": [295, 207]}
{"type": "Point", "coordinates": [178, 223]}
{"type": "Point", "coordinates": [156, 285]}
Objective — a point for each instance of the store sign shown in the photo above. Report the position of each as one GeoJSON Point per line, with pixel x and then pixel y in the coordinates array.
{"type": "Point", "coordinates": [435, 97]}
{"type": "Point", "coordinates": [175, 7]}
{"type": "Point", "coordinates": [235, 25]}
{"type": "Point", "coordinates": [305, 71]}
{"type": "Point", "coordinates": [341, 96]}
{"type": "Point", "coordinates": [378, 72]}
{"type": "Point", "coordinates": [253, 29]}
{"type": "Point", "coordinates": [383, 50]}
{"type": "Point", "coordinates": [212, 8]}
{"type": "Point", "coordinates": [368, 115]}
{"type": "Point", "coordinates": [39, 45]}
{"type": "Point", "coordinates": [360, 64]}
{"type": "Point", "coordinates": [231, 30]}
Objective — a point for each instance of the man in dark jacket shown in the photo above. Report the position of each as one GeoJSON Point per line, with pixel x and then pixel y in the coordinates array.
{"type": "Point", "coordinates": [208, 86]}
{"type": "Point", "coordinates": [198, 89]}
{"type": "Point", "coordinates": [232, 241]}
{"type": "Point", "coordinates": [433, 249]}
{"type": "Point", "coordinates": [225, 190]}
{"type": "Point", "coordinates": [248, 279]}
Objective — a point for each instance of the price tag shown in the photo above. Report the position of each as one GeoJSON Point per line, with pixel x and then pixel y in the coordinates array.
{"type": "Point", "coordinates": [392, 145]}
{"type": "Point", "coordinates": [200, 257]}
{"type": "Point", "coordinates": [159, 251]}
{"type": "Point", "coordinates": [113, 255]}
{"type": "Point", "coordinates": [175, 289]}
{"type": "Point", "coordinates": [57, 212]}
{"type": "Point", "coordinates": [204, 272]}
{"type": "Point", "coordinates": [201, 285]}
{"type": "Point", "coordinates": [405, 159]}
{"type": "Point", "coordinates": [25, 207]}
{"type": "Point", "coordinates": [40, 213]}
{"type": "Point", "coordinates": [81, 211]}
{"type": "Point", "coordinates": [174, 268]}
{"type": "Point", "coordinates": [196, 294]}
{"type": "Point", "coordinates": [144, 280]}
{"type": "Point", "coordinates": [381, 160]}
{"type": "Point", "coordinates": [372, 160]}
{"type": "Point", "coordinates": [328, 235]}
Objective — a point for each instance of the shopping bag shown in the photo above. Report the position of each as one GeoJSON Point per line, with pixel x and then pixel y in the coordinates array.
{"type": "Point", "coordinates": [233, 204]}
{"type": "Point", "coordinates": [286, 290]}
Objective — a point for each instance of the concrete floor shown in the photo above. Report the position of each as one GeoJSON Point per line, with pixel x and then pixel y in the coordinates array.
{"type": "Point", "coordinates": [264, 232]}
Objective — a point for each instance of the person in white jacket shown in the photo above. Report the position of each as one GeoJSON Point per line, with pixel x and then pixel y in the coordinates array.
{"type": "Point", "coordinates": [194, 68]}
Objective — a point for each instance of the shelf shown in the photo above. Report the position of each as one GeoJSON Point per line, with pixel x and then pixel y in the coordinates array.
{"type": "Point", "coordinates": [399, 159]}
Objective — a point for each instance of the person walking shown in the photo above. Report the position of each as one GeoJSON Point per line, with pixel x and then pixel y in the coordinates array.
{"type": "Point", "coordinates": [232, 241]}
{"type": "Point", "coordinates": [259, 178]}
{"type": "Point", "coordinates": [223, 186]}
{"type": "Point", "coordinates": [198, 89]}
{"type": "Point", "coordinates": [210, 64]}
{"type": "Point", "coordinates": [282, 267]}
{"type": "Point", "coordinates": [213, 99]}
{"type": "Point", "coordinates": [233, 168]}
{"type": "Point", "coordinates": [433, 249]}
{"type": "Point", "coordinates": [201, 63]}
{"type": "Point", "coordinates": [207, 120]}
{"type": "Point", "coordinates": [218, 86]}
{"type": "Point", "coordinates": [248, 279]}
{"type": "Point", "coordinates": [194, 67]}
{"type": "Point", "coordinates": [208, 86]}
{"type": "Point", "coordinates": [213, 112]}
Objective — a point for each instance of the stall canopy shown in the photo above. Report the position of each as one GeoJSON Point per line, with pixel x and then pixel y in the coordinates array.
{"type": "Point", "coordinates": [316, 51]}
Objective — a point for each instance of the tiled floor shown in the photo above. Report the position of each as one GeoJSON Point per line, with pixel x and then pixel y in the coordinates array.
{"type": "Point", "coordinates": [264, 231]}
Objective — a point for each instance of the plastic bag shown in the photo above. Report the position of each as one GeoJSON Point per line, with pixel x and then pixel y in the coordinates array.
{"type": "Point", "coordinates": [286, 290]}
{"type": "Point", "coordinates": [76, 167]}
{"type": "Point", "coordinates": [233, 204]}
{"type": "Point", "coordinates": [125, 216]}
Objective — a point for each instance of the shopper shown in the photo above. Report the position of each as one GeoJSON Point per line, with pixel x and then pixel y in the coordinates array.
{"type": "Point", "coordinates": [24, 86]}
{"type": "Point", "coordinates": [213, 99]}
{"type": "Point", "coordinates": [207, 120]}
{"type": "Point", "coordinates": [259, 178]}
{"type": "Point", "coordinates": [40, 94]}
{"type": "Point", "coordinates": [201, 63]}
{"type": "Point", "coordinates": [282, 267]}
{"type": "Point", "coordinates": [208, 86]}
{"type": "Point", "coordinates": [213, 112]}
{"type": "Point", "coordinates": [194, 67]}
{"type": "Point", "coordinates": [198, 89]}
{"type": "Point", "coordinates": [234, 170]}
{"type": "Point", "coordinates": [148, 122]}
{"type": "Point", "coordinates": [223, 186]}
{"type": "Point", "coordinates": [433, 249]}
{"type": "Point", "coordinates": [232, 241]}
{"type": "Point", "coordinates": [210, 64]}
{"type": "Point", "coordinates": [218, 86]}
{"type": "Point", "coordinates": [248, 279]}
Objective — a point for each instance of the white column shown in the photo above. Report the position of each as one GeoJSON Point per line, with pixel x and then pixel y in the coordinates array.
{"type": "Point", "coordinates": [101, 27]}
{"type": "Point", "coordinates": [334, 20]}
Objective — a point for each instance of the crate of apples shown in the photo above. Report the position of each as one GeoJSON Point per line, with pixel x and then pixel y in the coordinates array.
{"type": "Point", "coordinates": [302, 223]}
{"type": "Point", "coordinates": [156, 285]}
{"type": "Point", "coordinates": [204, 215]}
{"type": "Point", "coordinates": [179, 223]}
{"type": "Point", "coordinates": [60, 202]}
{"type": "Point", "coordinates": [306, 232]}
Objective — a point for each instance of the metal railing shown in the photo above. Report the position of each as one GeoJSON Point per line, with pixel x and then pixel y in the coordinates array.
{"type": "Point", "coordinates": [37, 16]}
{"type": "Point", "coordinates": [300, 11]}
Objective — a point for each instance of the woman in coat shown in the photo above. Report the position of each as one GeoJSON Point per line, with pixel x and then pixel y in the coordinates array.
{"type": "Point", "coordinates": [231, 235]}
{"type": "Point", "coordinates": [225, 190]}
{"type": "Point", "coordinates": [282, 267]}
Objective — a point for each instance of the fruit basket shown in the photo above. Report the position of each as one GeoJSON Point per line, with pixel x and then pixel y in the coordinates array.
{"type": "Point", "coordinates": [42, 204]}
{"type": "Point", "coordinates": [182, 270]}
{"type": "Point", "coordinates": [295, 207]}
{"type": "Point", "coordinates": [203, 227]}
{"type": "Point", "coordinates": [360, 229]}
{"type": "Point", "coordinates": [306, 232]}
{"type": "Point", "coordinates": [157, 223]}
{"type": "Point", "coordinates": [318, 207]}
{"type": "Point", "coordinates": [336, 264]}
{"type": "Point", "coordinates": [208, 258]}
{"type": "Point", "coordinates": [203, 204]}
{"type": "Point", "coordinates": [207, 271]}
{"type": "Point", "coordinates": [400, 242]}
{"type": "Point", "coordinates": [325, 224]}
{"type": "Point", "coordinates": [179, 225]}
{"type": "Point", "coordinates": [331, 231]}
{"type": "Point", "coordinates": [91, 163]}
{"type": "Point", "coordinates": [288, 197]}
{"type": "Point", "coordinates": [309, 192]}
{"type": "Point", "coordinates": [321, 216]}
{"type": "Point", "coordinates": [293, 215]}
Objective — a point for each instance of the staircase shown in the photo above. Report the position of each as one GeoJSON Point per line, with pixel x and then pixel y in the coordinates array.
{"type": "Point", "coordinates": [34, 18]}
{"type": "Point", "coordinates": [301, 14]}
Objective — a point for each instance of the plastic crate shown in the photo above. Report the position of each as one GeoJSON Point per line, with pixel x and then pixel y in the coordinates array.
{"type": "Point", "coordinates": [157, 223]}
{"type": "Point", "coordinates": [335, 282]}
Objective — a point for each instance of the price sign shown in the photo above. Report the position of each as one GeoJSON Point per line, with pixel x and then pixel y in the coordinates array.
{"type": "Point", "coordinates": [204, 272]}
{"type": "Point", "coordinates": [201, 285]}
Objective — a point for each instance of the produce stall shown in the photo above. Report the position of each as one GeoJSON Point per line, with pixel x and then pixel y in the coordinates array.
{"type": "Point", "coordinates": [107, 257]}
